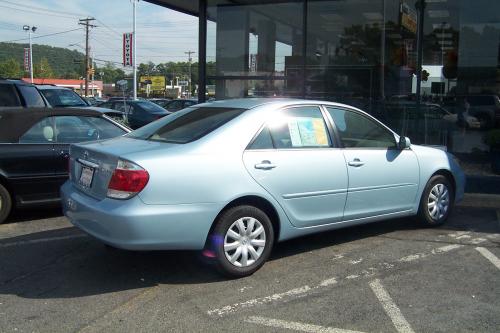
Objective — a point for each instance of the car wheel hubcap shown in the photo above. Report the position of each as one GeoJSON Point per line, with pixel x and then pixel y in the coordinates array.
{"type": "Point", "coordinates": [438, 202]}
{"type": "Point", "coordinates": [244, 242]}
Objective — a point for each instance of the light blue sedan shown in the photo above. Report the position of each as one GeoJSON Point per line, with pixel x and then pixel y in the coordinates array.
{"type": "Point", "coordinates": [233, 177]}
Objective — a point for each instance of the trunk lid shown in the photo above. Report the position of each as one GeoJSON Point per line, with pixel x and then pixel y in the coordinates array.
{"type": "Point", "coordinates": [93, 164]}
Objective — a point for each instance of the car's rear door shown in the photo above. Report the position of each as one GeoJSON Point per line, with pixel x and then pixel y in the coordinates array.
{"type": "Point", "coordinates": [294, 159]}
{"type": "Point", "coordinates": [382, 178]}
{"type": "Point", "coordinates": [29, 164]}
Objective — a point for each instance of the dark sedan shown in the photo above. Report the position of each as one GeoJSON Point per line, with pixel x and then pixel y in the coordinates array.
{"type": "Point", "coordinates": [139, 112]}
{"type": "Point", "coordinates": [160, 101]}
{"type": "Point", "coordinates": [179, 104]}
{"type": "Point", "coordinates": [34, 151]}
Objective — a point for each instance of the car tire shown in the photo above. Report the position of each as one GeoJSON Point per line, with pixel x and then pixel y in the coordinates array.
{"type": "Point", "coordinates": [437, 201]}
{"type": "Point", "coordinates": [5, 204]}
{"type": "Point", "coordinates": [238, 231]}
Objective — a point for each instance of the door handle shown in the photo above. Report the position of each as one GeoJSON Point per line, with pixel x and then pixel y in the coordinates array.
{"type": "Point", "coordinates": [356, 163]}
{"type": "Point", "coordinates": [265, 165]}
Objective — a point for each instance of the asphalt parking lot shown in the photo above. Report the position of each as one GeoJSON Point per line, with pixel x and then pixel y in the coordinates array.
{"type": "Point", "coordinates": [393, 276]}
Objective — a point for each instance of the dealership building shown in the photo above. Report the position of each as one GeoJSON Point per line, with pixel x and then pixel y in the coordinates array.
{"type": "Point", "coordinates": [429, 69]}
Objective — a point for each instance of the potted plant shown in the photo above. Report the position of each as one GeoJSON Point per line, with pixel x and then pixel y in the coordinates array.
{"type": "Point", "coordinates": [492, 139]}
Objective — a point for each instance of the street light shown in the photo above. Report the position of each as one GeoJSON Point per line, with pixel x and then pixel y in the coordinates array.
{"type": "Point", "coordinates": [29, 30]}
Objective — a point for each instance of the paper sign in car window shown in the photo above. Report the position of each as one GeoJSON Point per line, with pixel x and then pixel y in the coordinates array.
{"type": "Point", "coordinates": [320, 132]}
{"type": "Point", "coordinates": [307, 132]}
{"type": "Point", "coordinates": [293, 129]}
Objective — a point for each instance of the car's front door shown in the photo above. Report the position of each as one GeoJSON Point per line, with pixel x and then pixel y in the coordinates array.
{"type": "Point", "coordinates": [294, 159]}
{"type": "Point", "coordinates": [383, 179]}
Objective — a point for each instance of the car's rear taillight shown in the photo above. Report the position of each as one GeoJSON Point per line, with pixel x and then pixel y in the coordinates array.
{"type": "Point", "coordinates": [127, 180]}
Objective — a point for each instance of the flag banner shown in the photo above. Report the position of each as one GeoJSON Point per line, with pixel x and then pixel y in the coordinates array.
{"type": "Point", "coordinates": [26, 59]}
{"type": "Point", "coordinates": [127, 49]}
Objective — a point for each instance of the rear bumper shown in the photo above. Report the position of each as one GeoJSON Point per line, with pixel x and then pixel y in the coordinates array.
{"type": "Point", "coordinates": [131, 224]}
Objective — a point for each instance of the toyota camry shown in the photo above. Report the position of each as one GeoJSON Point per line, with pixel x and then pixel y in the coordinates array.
{"type": "Point", "coordinates": [231, 178]}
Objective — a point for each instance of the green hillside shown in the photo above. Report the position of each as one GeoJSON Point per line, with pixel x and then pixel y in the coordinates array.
{"type": "Point", "coordinates": [61, 61]}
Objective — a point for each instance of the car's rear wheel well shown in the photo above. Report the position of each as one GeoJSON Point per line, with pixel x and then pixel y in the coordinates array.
{"type": "Point", "coordinates": [255, 201]}
{"type": "Point", "coordinates": [5, 183]}
{"type": "Point", "coordinates": [448, 175]}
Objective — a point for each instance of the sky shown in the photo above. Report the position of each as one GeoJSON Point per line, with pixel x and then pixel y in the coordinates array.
{"type": "Point", "coordinates": [162, 34]}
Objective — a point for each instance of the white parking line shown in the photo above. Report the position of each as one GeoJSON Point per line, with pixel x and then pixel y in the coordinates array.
{"type": "Point", "coordinates": [490, 256]}
{"type": "Point", "coordinates": [390, 308]}
{"type": "Point", "coordinates": [304, 290]}
{"type": "Point", "coordinates": [296, 326]}
{"type": "Point", "coordinates": [258, 301]}
{"type": "Point", "coordinates": [446, 248]}
{"type": "Point", "coordinates": [41, 240]}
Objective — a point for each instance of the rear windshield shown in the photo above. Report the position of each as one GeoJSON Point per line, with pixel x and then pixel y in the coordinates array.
{"type": "Point", "coordinates": [151, 107]}
{"type": "Point", "coordinates": [188, 125]}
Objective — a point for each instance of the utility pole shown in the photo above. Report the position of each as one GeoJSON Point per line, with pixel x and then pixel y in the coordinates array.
{"type": "Point", "coordinates": [189, 58]}
{"type": "Point", "coordinates": [86, 22]}
{"type": "Point", "coordinates": [29, 30]}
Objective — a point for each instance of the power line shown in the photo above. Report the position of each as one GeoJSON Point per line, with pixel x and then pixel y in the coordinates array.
{"type": "Point", "coordinates": [41, 36]}
{"type": "Point", "coordinates": [35, 12]}
{"type": "Point", "coordinates": [39, 8]}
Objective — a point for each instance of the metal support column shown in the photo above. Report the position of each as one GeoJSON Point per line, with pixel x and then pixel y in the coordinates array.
{"type": "Point", "coordinates": [202, 51]}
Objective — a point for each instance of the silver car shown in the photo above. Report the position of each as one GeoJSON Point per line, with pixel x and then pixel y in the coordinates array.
{"type": "Point", "coordinates": [233, 177]}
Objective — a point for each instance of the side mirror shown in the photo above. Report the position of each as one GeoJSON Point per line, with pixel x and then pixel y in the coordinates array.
{"type": "Point", "coordinates": [404, 142]}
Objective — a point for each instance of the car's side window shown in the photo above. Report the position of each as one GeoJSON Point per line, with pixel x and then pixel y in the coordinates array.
{"type": "Point", "coordinates": [263, 140]}
{"type": "Point", "coordinates": [73, 129]}
{"type": "Point", "coordinates": [358, 131]}
{"type": "Point", "coordinates": [41, 132]}
{"type": "Point", "coordinates": [32, 97]}
{"type": "Point", "coordinates": [296, 127]}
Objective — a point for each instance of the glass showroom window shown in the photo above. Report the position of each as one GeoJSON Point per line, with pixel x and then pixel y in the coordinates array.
{"type": "Point", "coordinates": [461, 57]}
{"type": "Point", "coordinates": [254, 49]}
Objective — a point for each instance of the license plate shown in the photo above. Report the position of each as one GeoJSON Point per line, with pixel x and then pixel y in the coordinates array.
{"type": "Point", "coordinates": [86, 176]}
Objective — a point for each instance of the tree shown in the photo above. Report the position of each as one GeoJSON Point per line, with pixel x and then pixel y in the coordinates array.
{"type": "Point", "coordinates": [109, 73]}
{"type": "Point", "coordinates": [10, 68]}
{"type": "Point", "coordinates": [43, 69]}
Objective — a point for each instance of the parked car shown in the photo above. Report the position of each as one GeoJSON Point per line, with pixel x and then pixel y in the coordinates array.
{"type": "Point", "coordinates": [486, 108]}
{"type": "Point", "coordinates": [234, 176]}
{"type": "Point", "coordinates": [452, 118]}
{"type": "Point", "coordinates": [179, 104]}
{"type": "Point", "coordinates": [160, 101]}
{"type": "Point", "coordinates": [62, 97]}
{"type": "Point", "coordinates": [17, 93]}
{"type": "Point", "coordinates": [94, 100]}
{"type": "Point", "coordinates": [139, 112]}
{"type": "Point", "coordinates": [34, 150]}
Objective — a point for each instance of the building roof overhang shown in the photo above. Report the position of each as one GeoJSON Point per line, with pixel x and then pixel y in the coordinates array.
{"type": "Point", "coordinates": [190, 7]}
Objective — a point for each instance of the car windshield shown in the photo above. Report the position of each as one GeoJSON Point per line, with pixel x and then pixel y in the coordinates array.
{"type": "Point", "coordinates": [150, 106]}
{"type": "Point", "coordinates": [188, 125]}
{"type": "Point", "coordinates": [62, 97]}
